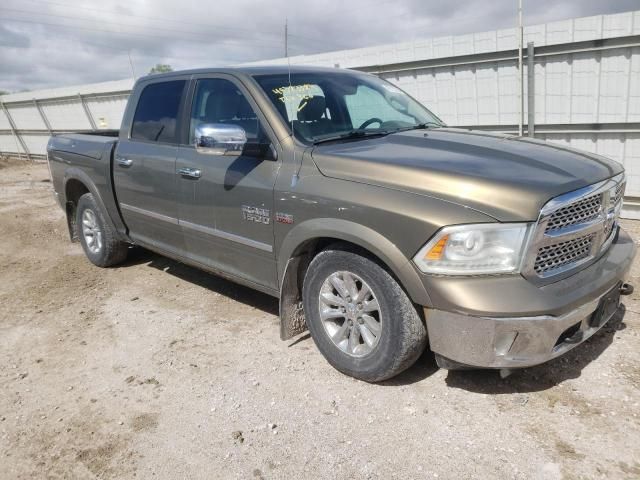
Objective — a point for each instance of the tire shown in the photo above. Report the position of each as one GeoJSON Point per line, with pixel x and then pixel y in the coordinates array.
{"type": "Point", "coordinates": [401, 336]}
{"type": "Point", "coordinates": [97, 236]}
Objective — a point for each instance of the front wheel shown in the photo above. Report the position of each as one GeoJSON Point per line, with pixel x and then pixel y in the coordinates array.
{"type": "Point", "coordinates": [360, 318]}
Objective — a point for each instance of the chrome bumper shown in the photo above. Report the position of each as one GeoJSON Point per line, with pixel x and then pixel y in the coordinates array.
{"type": "Point", "coordinates": [522, 341]}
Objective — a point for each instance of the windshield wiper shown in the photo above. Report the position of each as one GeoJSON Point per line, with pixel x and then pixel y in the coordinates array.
{"type": "Point", "coordinates": [420, 126]}
{"type": "Point", "coordinates": [352, 134]}
{"type": "Point", "coordinates": [374, 133]}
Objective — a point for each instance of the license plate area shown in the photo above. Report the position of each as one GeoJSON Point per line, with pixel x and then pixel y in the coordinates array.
{"type": "Point", "coordinates": [606, 308]}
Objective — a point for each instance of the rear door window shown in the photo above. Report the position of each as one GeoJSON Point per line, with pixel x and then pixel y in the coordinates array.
{"type": "Point", "coordinates": [157, 112]}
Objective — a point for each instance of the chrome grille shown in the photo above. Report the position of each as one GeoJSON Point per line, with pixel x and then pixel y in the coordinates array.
{"type": "Point", "coordinates": [608, 227]}
{"type": "Point", "coordinates": [555, 256]}
{"type": "Point", "coordinates": [579, 212]}
{"type": "Point", "coordinates": [591, 213]}
{"type": "Point", "coordinates": [619, 193]}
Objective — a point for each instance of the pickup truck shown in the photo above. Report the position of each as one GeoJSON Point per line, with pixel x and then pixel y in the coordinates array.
{"type": "Point", "coordinates": [380, 230]}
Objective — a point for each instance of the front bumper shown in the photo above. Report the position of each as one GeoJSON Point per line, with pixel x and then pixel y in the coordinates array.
{"type": "Point", "coordinates": [509, 339]}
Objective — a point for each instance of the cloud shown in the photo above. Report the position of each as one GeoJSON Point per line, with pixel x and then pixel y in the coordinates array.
{"type": "Point", "coordinates": [48, 43]}
{"type": "Point", "coordinates": [11, 39]}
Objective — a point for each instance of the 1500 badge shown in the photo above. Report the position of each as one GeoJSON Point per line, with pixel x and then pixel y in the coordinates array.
{"type": "Point", "coordinates": [256, 214]}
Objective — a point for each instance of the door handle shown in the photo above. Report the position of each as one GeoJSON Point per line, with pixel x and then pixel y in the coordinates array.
{"type": "Point", "coordinates": [125, 162]}
{"type": "Point", "coordinates": [190, 172]}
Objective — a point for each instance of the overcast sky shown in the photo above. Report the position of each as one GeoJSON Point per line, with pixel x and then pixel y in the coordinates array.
{"type": "Point", "coordinates": [50, 43]}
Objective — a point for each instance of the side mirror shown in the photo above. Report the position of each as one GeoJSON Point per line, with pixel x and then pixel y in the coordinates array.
{"type": "Point", "coordinates": [220, 139]}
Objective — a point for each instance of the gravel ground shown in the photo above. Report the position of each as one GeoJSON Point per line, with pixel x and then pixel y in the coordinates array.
{"type": "Point", "coordinates": [155, 369]}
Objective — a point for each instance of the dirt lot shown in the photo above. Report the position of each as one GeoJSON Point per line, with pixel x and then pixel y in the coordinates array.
{"type": "Point", "coordinates": [156, 370]}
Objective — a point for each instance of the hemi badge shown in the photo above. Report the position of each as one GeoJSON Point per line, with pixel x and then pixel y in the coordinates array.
{"type": "Point", "coordinates": [284, 218]}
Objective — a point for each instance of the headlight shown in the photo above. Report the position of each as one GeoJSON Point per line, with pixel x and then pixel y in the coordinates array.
{"type": "Point", "coordinates": [475, 249]}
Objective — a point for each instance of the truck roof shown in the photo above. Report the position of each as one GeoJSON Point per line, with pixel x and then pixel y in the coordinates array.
{"type": "Point", "coordinates": [252, 70]}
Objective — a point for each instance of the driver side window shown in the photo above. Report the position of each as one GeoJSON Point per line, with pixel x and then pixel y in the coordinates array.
{"type": "Point", "coordinates": [368, 103]}
{"type": "Point", "coordinates": [219, 101]}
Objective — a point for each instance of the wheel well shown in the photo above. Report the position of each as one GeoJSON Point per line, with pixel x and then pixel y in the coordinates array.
{"type": "Point", "coordinates": [292, 320]}
{"type": "Point", "coordinates": [310, 248]}
{"type": "Point", "coordinates": [73, 190]}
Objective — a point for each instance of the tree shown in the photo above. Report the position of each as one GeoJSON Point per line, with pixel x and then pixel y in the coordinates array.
{"type": "Point", "coordinates": [3, 92]}
{"type": "Point", "coordinates": [160, 68]}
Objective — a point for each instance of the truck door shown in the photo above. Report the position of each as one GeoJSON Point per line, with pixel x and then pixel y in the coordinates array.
{"type": "Point", "coordinates": [144, 168]}
{"type": "Point", "coordinates": [226, 201]}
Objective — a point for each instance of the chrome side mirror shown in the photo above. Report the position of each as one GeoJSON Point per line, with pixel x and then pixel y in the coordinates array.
{"type": "Point", "coordinates": [220, 139]}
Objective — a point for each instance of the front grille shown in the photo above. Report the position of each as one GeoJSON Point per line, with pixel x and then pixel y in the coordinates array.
{"type": "Point", "coordinates": [561, 254]}
{"type": "Point", "coordinates": [608, 227]}
{"type": "Point", "coordinates": [591, 212]}
{"type": "Point", "coordinates": [614, 204]}
{"type": "Point", "coordinates": [582, 211]}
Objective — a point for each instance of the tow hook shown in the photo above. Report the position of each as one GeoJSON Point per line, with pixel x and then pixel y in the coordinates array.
{"type": "Point", "coordinates": [626, 289]}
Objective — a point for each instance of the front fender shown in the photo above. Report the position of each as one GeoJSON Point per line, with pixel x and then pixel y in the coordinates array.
{"type": "Point", "coordinates": [360, 235]}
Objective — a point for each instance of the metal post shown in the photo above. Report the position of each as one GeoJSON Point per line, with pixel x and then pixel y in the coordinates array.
{"type": "Point", "coordinates": [520, 72]}
{"type": "Point", "coordinates": [87, 112]}
{"type": "Point", "coordinates": [531, 94]}
{"type": "Point", "coordinates": [44, 118]}
{"type": "Point", "coordinates": [15, 133]}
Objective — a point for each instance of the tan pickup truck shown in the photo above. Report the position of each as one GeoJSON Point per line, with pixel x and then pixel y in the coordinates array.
{"type": "Point", "coordinates": [380, 230]}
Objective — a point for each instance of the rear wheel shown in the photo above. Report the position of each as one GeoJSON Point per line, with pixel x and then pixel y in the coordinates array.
{"type": "Point", "coordinates": [97, 237]}
{"type": "Point", "coordinates": [360, 318]}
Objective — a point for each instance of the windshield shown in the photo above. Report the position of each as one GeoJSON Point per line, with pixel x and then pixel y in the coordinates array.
{"type": "Point", "coordinates": [327, 105]}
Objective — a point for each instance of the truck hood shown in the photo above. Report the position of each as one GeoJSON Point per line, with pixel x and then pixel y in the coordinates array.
{"type": "Point", "coordinates": [509, 178]}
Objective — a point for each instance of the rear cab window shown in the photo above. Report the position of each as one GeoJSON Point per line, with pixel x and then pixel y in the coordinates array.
{"type": "Point", "coordinates": [157, 112]}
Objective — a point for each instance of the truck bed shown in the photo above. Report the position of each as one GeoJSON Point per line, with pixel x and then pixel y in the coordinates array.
{"type": "Point", "coordinates": [87, 144]}
{"type": "Point", "coordinates": [87, 157]}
